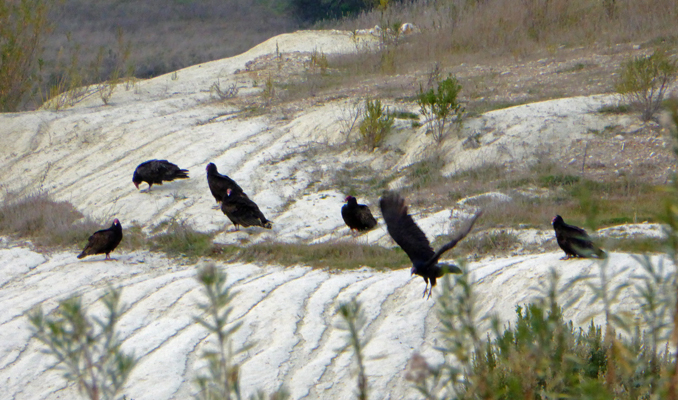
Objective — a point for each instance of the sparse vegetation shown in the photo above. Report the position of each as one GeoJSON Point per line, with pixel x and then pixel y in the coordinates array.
{"type": "Point", "coordinates": [376, 124]}
{"type": "Point", "coordinates": [644, 80]}
{"type": "Point", "coordinates": [180, 239]}
{"type": "Point", "coordinates": [45, 221]}
{"type": "Point", "coordinates": [87, 348]}
{"type": "Point", "coordinates": [24, 25]}
{"type": "Point", "coordinates": [496, 243]}
{"type": "Point", "coordinates": [439, 105]}
{"type": "Point", "coordinates": [353, 323]}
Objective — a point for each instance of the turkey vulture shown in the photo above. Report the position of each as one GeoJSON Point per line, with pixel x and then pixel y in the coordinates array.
{"type": "Point", "coordinates": [219, 184]}
{"type": "Point", "coordinates": [157, 171]}
{"type": "Point", "coordinates": [357, 216]}
{"type": "Point", "coordinates": [574, 241]}
{"type": "Point", "coordinates": [243, 211]}
{"type": "Point", "coordinates": [413, 241]}
{"type": "Point", "coordinates": [103, 241]}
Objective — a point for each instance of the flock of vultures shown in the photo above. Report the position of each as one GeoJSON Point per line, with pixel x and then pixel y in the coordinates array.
{"type": "Point", "coordinates": [242, 211]}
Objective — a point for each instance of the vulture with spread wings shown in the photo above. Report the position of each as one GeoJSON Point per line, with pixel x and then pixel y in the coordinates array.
{"type": "Point", "coordinates": [413, 241]}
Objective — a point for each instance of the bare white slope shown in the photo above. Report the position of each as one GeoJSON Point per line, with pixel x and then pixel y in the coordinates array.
{"type": "Point", "coordinates": [288, 313]}
{"type": "Point", "coordinates": [86, 155]}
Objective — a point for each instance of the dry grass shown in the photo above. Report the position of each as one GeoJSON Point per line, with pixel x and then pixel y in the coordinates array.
{"type": "Point", "coordinates": [45, 221]}
{"type": "Point", "coordinates": [518, 27]}
{"type": "Point", "coordinates": [337, 255]}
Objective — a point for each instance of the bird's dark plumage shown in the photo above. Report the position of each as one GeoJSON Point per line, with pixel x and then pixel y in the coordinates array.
{"type": "Point", "coordinates": [219, 184]}
{"type": "Point", "coordinates": [243, 211]}
{"type": "Point", "coordinates": [103, 241]}
{"type": "Point", "coordinates": [357, 216]}
{"type": "Point", "coordinates": [413, 241]}
{"type": "Point", "coordinates": [157, 172]}
{"type": "Point", "coordinates": [574, 241]}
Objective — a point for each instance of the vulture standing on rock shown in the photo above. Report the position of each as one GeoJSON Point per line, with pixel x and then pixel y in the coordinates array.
{"type": "Point", "coordinates": [574, 241]}
{"type": "Point", "coordinates": [357, 216]}
{"type": "Point", "coordinates": [219, 184]}
{"type": "Point", "coordinates": [243, 211]}
{"type": "Point", "coordinates": [413, 241]}
{"type": "Point", "coordinates": [157, 172]}
{"type": "Point", "coordinates": [104, 241]}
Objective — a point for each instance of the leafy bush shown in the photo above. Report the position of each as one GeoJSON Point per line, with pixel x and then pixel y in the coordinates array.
{"type": "Point", "coordinates": [439, 105]}
{"type": "Point", "coordinates": [87, 348]}
{"type": "Point", "coordinates": [644, 80]}
{"type": "Point", "coordinates": [376, 124]}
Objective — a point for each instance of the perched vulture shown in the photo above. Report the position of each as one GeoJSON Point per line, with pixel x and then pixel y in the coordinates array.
{"type": "Point", "coordinates": [357, 216]}
{"type": "Point", "coordinates": [103, 241]}
{"type": "Point", "coordinates": [219, 184]}
{"type": "Point", "coordinates": [157, 172]}
{"type": "Point", "coordinates": [243, 211]}
{"type": "Point", "coordinates": [413, 241]}
{"type": "Point", "coordinates": [574, 241]}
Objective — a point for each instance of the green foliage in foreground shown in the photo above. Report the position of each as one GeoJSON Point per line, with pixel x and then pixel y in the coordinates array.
{"type": "Point", "coordinates": [540, 356]}
{"type": "Point", "coordinates": [86, 348]}
{"type": "Point", "coordinates": [220, 378]}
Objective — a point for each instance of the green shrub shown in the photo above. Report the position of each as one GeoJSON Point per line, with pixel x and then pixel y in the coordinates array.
{"type": "Point", "coordinates": [375, 125]}
{"type": "Point", "coordinates": [644, 81]}
{"type": "Point", "coordinates": [440, 105]}
{"type": "Point", "coordinates": [87, 348]}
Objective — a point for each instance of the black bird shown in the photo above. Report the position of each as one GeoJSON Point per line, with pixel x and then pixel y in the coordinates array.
{"type": "Point", "coordinates": [357, 216]}
{"type": "Point", "coordinates": [103, 241]}
{"type": "Point", "coordinates": [243, 211]}
{"type": "Point", "coordinates": [574, 241]}
{"type": "Point", "coordinates": [219, 184]}
{"type": "Point", "coordinates": [413, 241]}
{"type": "Point", "coordinates": [157, 172]}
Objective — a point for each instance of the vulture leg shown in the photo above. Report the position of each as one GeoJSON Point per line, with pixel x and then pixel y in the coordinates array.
{"type": "Point", "coordinates": [217, 207]}
{"type": "Point", "coordinates": [565, 257]}
{"type": "Point", "coordinates": [426, 289]}
{"type": "Point", "coordinates": [429, 292]}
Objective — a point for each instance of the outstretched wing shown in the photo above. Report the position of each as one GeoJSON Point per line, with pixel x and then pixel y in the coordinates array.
{"type": "Point", "coordinates": [404, 230]}
{"type": "Point", "coordinates": [455, 239]}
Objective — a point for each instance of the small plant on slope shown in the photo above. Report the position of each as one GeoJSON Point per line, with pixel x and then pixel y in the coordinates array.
{"type": "Point", "coordinates": [376, 124]}
{"type": "Point", "coordinates": [86, 348]}
{"type": "Point", "coordinates": [353, 321]}
{"type": "Point", "coordinates": [644, 81]}
{"type": "Point", "coordinates": [439, 105]}
{"type": "Point", "coordinates": [221, 380]}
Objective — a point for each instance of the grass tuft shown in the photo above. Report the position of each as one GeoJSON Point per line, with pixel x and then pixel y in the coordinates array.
{"type": "Point", "coordinates": [45, 221]}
